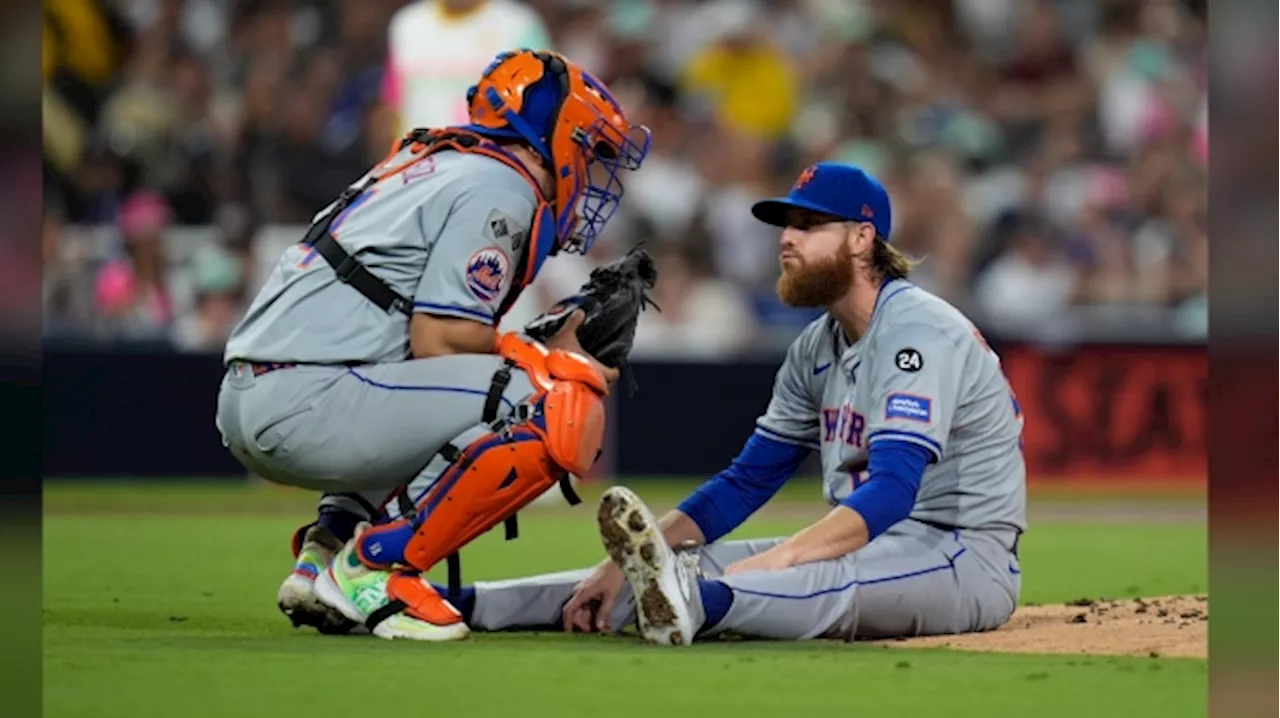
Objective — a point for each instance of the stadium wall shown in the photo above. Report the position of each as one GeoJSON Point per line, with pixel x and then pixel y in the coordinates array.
{"type": "Point", "coordinates": [1095, 414]}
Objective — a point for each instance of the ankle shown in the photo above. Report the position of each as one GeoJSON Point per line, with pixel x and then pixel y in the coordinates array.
{"type": "Point", "coordinates": [464, 601]}
{"type": "Point", "coordinates": [340, 524]}
{"type": "Point", "coordinates": [322, 537]}
{"type": "Point", "coordinates": [717, 599]}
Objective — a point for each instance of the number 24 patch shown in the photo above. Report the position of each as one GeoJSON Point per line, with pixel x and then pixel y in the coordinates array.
{"type": "Point", "coordinates": [910, 407]}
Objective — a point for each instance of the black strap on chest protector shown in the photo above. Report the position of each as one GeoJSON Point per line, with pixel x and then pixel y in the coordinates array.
{"type": "Point", "coordinates": [348, 269]}
{"type": "Point", "coordinates": [351, 272]}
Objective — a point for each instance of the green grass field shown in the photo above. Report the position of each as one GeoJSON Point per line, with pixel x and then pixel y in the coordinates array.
{"type": "Point", "coordinates": [159, 601]}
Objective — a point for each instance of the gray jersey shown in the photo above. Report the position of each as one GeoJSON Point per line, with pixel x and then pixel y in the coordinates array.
{"type": "Point", "coordinates": [921, 373]}
{"type": "Point", "coordinates": [448, 232]}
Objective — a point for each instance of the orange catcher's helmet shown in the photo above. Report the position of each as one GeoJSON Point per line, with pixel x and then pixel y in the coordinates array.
{"type": "Point", "coordinates": [569, 117]}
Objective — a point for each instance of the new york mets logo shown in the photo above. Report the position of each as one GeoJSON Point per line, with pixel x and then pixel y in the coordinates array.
{"type": "Point", "coordinates": [486, 270]}
{"type": "Point", "coordinates": [805, 176]}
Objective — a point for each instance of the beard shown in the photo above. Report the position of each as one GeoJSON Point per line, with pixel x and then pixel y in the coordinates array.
{"type": "Point", "coordinates": [818, 283]}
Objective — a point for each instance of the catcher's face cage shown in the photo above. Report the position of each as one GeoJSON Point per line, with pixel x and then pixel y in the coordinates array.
{"type": "Point", "coordinates": [589, 140]}
{"type": "Point", "coordinates": [602, 192]}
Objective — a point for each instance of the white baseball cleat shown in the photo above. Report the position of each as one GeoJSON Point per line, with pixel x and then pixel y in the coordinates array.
{"type": "Point", "coordinates": [665, 585]}
{"type": "Point", "coordinates": [391, 604]}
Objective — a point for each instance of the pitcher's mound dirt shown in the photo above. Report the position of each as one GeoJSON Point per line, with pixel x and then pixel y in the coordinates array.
{"type": "Point", "coordinates": [1173, 626]}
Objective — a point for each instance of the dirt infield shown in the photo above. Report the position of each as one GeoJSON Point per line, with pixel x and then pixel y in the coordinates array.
{"type": "Point", "coordinates": [1171, 626]}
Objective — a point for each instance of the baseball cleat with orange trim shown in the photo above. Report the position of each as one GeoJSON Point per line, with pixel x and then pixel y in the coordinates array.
{"type": "Point", "coordinates": [391, 604]}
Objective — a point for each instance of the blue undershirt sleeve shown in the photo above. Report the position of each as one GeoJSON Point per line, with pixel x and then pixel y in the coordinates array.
{"type": "Point", "coordinates": [726, 500]}
{"type": "Point", "coordinates": [896, 468]}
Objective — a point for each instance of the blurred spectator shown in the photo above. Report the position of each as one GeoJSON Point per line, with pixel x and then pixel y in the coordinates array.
{"type": "Point", "coordinates": [131, 296]}
{"type": "Point", "coordinates": [85, 44]}
{"type": "Point", "coordinates": [750, 84]}
{"type": "Point", "coordinates": [1047, 159]}
{"type": "Point", "coordinates": [64, 297]}
{"type": "Point", "coordinates": [311, 168]}
{"type": "Point", "coordinates": [161, 122]}
{"type": "Point", "coordinates": [1030, 284]}
{"type": "Point", "coordinates": [582, 32]}
{"type": "Point", "coordinates": [436, 49]}
{"type": "Point", "coordinates": [700, 318]}
{"type": "Point", "coordinates": [361, 68]}
{"type": "Point", "coordinates": [933, 225]}
{"type": "Point", "coordinates": [669, 188]}
{"type": "Point", "coordinates": [219, 295]}
{"type": "Point", "coordinates": [736, 166]}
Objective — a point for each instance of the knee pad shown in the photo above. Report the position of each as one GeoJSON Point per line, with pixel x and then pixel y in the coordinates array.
{"type": "Point", "coordinates": [557, 432]}
{"type": "Point", "coordinates": [567, 409]}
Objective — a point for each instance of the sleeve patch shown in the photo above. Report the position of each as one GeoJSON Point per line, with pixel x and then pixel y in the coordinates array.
{"type": "Point", "coordinates": [909, 360]}
{"type": "Point", "coordinates": [909, 407]}
{"type": "Point", "coordinates": [502, 227]}
{"type": "Point", "coordinates": [486, 272]}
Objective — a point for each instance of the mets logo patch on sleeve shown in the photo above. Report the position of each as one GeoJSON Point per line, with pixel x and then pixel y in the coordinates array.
{"type": "Point", "coordinates": [486, 271]}
{"type": "Point", "coordinates": [909, 407]}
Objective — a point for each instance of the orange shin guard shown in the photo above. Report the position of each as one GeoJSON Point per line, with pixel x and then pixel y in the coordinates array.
{"type": "Point", "coordinates": [557, 432]}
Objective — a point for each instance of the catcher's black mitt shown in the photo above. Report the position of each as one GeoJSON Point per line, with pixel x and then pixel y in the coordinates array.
{"type": "Point", "coordinates": [611, 300]}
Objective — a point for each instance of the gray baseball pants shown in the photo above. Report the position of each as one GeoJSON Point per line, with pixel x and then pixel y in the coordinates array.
{"type": "Point", "coordinates": [915, 579]}
{"type": "Point", "coordinates": [358, 434]}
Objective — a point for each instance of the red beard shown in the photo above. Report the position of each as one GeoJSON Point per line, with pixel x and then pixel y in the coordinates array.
{"type": "Point", "coordinates": [818, 283]}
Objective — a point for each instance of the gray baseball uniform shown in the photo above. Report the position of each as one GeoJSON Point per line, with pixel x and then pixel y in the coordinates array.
{"type": "Point", "coordinates": [358, 415]}
{"type": "Point", "coordinates": [923, 374]}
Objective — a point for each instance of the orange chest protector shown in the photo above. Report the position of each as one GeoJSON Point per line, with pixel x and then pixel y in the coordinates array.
{"type": "Point", "coordinates": [414, 148]}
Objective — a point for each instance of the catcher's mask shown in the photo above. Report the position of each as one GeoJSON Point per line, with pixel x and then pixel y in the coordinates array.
{"type": "Point", "coordinates": [569, 117]}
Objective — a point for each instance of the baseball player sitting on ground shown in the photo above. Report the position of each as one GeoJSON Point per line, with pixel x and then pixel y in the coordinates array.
{"type": "Point", "coordinates": [919, 434]}
{"type": "Point", "coordinates": [370, 358]}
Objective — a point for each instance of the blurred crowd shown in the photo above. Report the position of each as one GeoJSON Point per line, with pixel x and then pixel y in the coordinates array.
{"type": "Point", "coordinates": [1047, 159]}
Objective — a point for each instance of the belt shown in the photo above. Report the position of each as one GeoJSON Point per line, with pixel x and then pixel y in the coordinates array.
{"type": "Point", "coordinates": [266, 367]}
{"type": "Point", "coordinates": [260, 368]}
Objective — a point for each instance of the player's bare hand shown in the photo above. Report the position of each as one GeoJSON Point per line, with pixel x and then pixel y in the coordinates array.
{"type": "Point", "coordinates": [567, 340]}
{"type": "Point", "coordinates": [593, 599]}
{"type": "Point", "coordinates": [768, 561]}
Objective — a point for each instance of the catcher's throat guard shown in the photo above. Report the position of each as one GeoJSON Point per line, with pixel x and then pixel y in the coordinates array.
{"type": "Point", "coordinates": [557, 432]}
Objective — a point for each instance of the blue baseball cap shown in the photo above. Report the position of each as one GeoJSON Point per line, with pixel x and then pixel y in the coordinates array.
{"type": "Point", "coordinates": [836, 189]}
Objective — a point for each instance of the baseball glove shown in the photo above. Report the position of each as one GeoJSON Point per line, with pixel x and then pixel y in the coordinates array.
{"type": "Point", "coordinates": [611, 300]}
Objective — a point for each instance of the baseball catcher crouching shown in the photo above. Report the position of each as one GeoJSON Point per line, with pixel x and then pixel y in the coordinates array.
{"type": "Point", "coordinates": [369, 368]}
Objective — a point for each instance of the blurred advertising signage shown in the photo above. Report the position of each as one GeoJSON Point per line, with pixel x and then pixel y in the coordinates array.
{"type": "Point", "coordinates": [1112, 413]}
